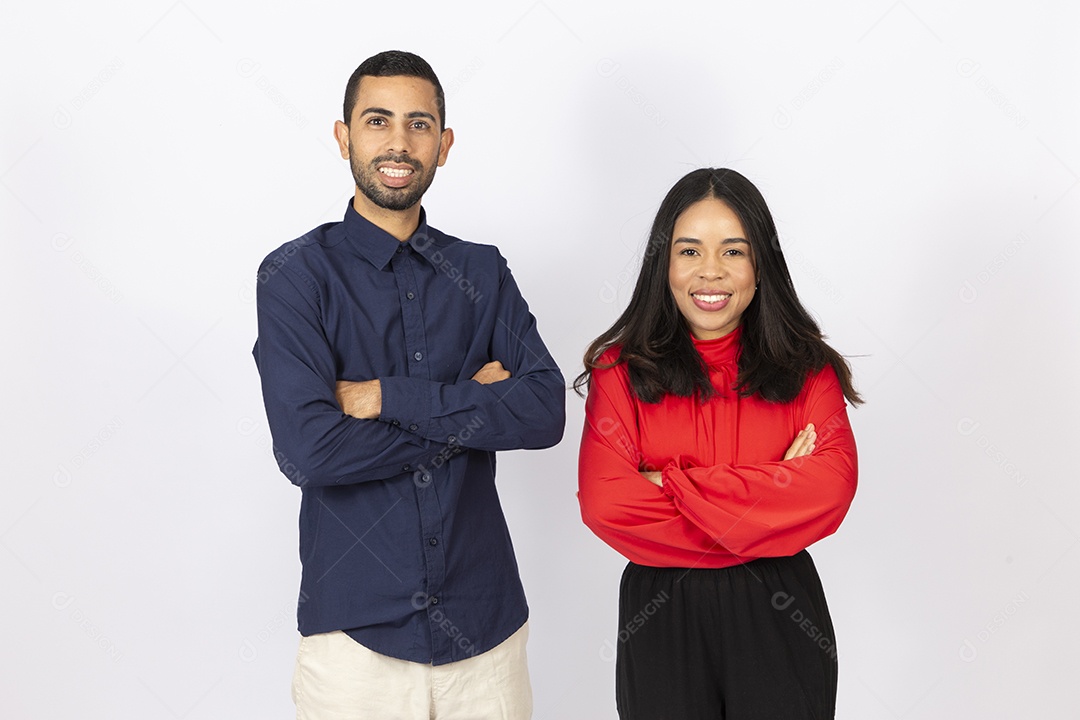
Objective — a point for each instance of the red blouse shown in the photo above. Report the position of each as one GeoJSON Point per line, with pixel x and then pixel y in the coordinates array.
{"type": "Point", "coordinates": [727, 496]}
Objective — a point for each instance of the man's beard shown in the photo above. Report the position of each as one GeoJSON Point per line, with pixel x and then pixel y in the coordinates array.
{"type": "Point", "coordinates": [390, 198]}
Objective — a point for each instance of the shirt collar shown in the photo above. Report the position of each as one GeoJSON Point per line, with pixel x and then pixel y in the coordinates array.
{"type": "Point", "coordinates": [378, 246]}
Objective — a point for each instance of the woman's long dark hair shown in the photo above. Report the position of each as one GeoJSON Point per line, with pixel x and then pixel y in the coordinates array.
{"type": "Point", "coordinates": [780, 344]}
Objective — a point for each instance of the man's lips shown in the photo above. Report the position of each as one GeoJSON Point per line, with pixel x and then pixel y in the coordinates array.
{"type": "Point", "coordinates": [395, 174]}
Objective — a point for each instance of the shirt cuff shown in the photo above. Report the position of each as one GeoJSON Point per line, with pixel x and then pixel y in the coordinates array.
{"type": "Point", "coordinates": [406, 403]}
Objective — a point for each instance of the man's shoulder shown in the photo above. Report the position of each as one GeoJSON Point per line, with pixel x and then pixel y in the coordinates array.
{"type": "Point", "coordinates": [480, 260]}
{"type": "Point", "coordinates": [303, 249]}
{"type": "Point", "coordinates": [440, 240]}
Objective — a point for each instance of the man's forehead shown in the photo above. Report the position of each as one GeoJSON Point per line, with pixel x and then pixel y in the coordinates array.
{"type": "Point", "coordinates": [404, 86]}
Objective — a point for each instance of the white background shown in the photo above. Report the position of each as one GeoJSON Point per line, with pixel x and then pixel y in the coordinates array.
{"type": "Point", "coordinates": [923, 165]}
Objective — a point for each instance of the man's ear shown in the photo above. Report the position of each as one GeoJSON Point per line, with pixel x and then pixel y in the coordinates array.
{"type": "Point", "coordinates": [341, 134]}
{"type": "Point", "coordinates": [445, 141]}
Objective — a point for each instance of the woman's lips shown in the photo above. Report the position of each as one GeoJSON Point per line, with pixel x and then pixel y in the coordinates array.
{"type": "Point", "coordinates": [711, 302]}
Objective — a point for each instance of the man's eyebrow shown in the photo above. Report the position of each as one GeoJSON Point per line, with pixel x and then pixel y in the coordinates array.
{"type": "Point", "coordinates": [390, 113]}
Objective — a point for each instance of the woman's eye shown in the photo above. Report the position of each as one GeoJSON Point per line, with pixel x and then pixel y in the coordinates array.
{"type": "Point", "coordinates": [688, 251]}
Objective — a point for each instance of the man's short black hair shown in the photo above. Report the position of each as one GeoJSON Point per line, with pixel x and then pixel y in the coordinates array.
{"type": "Point", "coordinates": [389, 64]}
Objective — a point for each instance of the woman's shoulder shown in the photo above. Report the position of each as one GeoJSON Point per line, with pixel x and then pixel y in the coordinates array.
{"type": "Point", "coordinates": [610, 357]}
{"type": "Point", "coordinates": [825, 376]}
{"type": "Point", "coordinates": [609, 369]}
{"type": "Point", "coordinates": [822, 383]}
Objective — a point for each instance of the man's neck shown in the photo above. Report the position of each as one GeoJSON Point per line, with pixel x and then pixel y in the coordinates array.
{"type": "Point", "coordinates": [399, 223]}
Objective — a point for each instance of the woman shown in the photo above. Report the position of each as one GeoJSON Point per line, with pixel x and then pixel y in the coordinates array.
{"type": "Point", "coordinates": [716, 449]}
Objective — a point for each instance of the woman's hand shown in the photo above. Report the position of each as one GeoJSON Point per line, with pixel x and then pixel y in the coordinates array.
{"type": "Point", "coordinates": [656, 478]}
{"type": "Point", "coordinates": [803, 443]}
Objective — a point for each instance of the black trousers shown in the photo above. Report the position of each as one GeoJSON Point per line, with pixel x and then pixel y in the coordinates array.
{"type": "Point", "coordinates": [750, 642]}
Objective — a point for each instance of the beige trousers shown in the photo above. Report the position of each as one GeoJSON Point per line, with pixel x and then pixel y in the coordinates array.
{"type": "Point", "coordinates": [337, 678]}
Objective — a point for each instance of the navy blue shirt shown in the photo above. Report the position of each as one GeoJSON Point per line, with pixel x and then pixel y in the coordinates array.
{"type": "Point", "coordinates": [402, 538]}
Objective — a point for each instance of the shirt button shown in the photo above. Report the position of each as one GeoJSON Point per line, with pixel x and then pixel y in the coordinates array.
{"type": "Point", "coordinates": [418, 356]}
{"type": "Point", "coordinates": [406, 467]}
{"type": "Point", "coordinates": [434, 601]}
{"type": "Point", "coordinates": [413, 427]}
{"type": "Point", "coordinates": [395, 423]}
{"type": "Point", "coordinates": [400, 250]}
{"type": "Point", "coordinates": [433, 541]}
{"type": "Point", "coordinates": [410, 295]}
{"type": "Point", "coordinates": [451, 439]}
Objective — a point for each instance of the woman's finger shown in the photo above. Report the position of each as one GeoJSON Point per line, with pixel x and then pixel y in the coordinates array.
{"type": "Point", "coordinates": [803, 444]}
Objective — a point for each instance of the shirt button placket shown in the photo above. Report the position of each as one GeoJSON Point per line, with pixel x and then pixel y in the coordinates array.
{"type": "Point", "coordinates": [410, 271]}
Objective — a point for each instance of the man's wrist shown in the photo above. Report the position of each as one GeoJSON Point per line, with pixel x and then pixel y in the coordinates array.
{"type": "Point", "coordinates": [361, 400]}
{"type": "Point", "coordinates": [374, 399]}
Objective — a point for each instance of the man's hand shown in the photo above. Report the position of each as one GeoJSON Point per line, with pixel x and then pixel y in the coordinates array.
{"type": "Point", "coordinates": [493, 372]}
{"type": "Point", "coordinates": [803, 444]}
{"type": "Point", "coordinates": [362, 400]}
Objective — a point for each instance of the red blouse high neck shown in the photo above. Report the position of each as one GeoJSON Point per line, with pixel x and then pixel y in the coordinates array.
{"type": "Point", "coordinates": [722, 350]}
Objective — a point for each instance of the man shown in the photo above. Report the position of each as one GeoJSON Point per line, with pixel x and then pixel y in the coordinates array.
{"type": "Point", "coordinates": [395, 361]}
